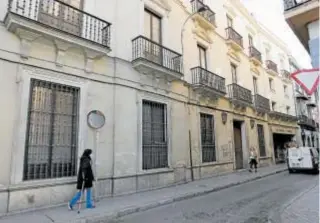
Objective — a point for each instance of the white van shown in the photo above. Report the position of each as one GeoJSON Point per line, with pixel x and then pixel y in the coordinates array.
{"type": "Point", "coordinates": [303, 158]}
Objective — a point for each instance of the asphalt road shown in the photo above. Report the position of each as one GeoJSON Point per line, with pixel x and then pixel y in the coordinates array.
{"type": "Point", "coordinates": [248, 203]}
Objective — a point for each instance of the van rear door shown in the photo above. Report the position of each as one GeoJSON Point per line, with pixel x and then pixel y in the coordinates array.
{"type": "Point", "coordinates": [294, 158]}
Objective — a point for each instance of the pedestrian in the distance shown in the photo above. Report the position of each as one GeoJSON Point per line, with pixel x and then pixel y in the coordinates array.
{"type": "Point", "coordinates": [84, 182]}
{"type": "Point", "coordinates": [253, 159]}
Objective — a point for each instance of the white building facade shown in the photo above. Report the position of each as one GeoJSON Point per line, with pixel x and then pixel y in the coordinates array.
{"type": "Point", "coordinates": [61, 60]}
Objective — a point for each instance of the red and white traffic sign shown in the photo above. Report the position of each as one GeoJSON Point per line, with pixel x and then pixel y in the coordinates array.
{"type": "Point", "coordinates": [307, 79]}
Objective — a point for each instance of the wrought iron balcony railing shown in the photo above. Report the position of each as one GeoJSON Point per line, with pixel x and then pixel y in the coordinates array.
{"type": "Point", "coordinates": [239, 93]}
{"type": "Point", "coordinates": [203, 77]}
{"type": "Point", "coordinates": [282, 116]}
{"type": "Point", "coordinates": [305, 120]}
{"type": "Point", "coordinates": [272, 66]}
{"type": "Point", "coordinates": [234, 36]}
{"type": "Point", "coordinates": [290, 4]}
{"type": "Point", "coordinates": [261, 103]}
{"type": "Point", "coordinates": [285, 74]}
{"type": "Point", "coordinates": [254, 53]}
{"type": "Point", "coordinates": [63, 17]}
{"type": "Point", "coordinates": [208, 14]}
{"type": "Point", "coordinates": [144, 48]}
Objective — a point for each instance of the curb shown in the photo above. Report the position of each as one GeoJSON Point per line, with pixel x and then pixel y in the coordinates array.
{"type": "Point", "coordinates": [144, 207]}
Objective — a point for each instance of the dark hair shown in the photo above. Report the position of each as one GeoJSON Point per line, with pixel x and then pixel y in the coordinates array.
{"type": "Point", "coordinates": [87, 152]}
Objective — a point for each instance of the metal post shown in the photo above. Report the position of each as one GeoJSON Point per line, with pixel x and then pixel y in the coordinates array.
{"type": "Point", "coordinates": [95, 149]}
{"type": "Point", "coordinates": [190, 151]}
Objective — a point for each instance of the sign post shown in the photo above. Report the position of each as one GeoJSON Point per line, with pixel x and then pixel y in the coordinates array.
{"type": "Point", "coordinates": [96, 121]}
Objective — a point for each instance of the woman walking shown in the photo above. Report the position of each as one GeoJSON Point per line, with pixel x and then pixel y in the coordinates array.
{"type": "Point", "coordinates": [253, 159]}
{"type": "Point", "coordinates": [84, 182]}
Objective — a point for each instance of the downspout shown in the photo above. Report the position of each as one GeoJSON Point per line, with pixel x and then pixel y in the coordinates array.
{"type": "Point", "coordinates": [114, 103]}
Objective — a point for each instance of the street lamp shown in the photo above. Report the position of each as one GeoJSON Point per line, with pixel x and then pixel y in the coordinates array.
{"type": "Point", "coordinates": [201, 9]}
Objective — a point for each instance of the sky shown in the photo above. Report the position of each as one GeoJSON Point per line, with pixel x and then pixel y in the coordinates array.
{"type": "Point", "coordinates": [270, 14]}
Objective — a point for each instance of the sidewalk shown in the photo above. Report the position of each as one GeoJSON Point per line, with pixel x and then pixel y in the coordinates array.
{"type": "Point", "coordinates": [119, 206]}
{"type": "Point", "coordinates": [303, 208]}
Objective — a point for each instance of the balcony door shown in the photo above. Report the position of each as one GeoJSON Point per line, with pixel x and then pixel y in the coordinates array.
{"type": "Point", "coordinates": [203, 64]}
{"type": "Point", "coordinates": [255, 85]}
{"type": "Point", "coordinates": [62, 16]}
{"type": "Point", "coordinates": [152, 31]}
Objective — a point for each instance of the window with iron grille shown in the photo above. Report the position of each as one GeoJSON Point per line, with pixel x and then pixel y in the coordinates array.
{"type": "Point", "coordinates": [154, 135]}
{"type": "Point", "coordinates": [52, 131]}
{"type": "Point", "coordinates": [207, 138]}
{"type": "Point", "coordinates": [262, 145]}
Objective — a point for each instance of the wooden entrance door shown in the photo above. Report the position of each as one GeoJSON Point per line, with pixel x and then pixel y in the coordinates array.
{"type": "Point", "coordinates": [64, 17]}
{"type": "Point", "coordinates": [238, 145]}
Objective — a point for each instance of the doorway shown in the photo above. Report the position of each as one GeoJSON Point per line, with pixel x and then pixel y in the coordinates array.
{"type": "Point", "coordinates": [279, 141]}
{"type": "Point", "coordinates": [237, 134]}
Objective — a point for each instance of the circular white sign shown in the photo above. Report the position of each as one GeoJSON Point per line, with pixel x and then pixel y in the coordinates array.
{"type": "Point", "coordinates": [96, 119]}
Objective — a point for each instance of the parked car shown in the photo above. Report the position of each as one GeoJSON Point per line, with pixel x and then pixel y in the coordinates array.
{"type": "Point", "coordinates": [303, 159]}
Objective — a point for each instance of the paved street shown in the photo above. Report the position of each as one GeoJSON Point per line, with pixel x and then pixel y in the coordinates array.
{"type": "Point", "coordinates": [248, 203]}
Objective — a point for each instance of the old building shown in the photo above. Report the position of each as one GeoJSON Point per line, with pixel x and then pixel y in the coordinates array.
{"type": "Point", "coordinates": [303, 18]}
{"type": "Point", "coordinates": [186, 89]}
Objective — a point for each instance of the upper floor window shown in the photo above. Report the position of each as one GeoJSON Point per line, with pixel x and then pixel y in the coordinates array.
{"type": "Point", "coordinates": [288, 110]}
{"type": "Point", "coordinates": [250, 40]}
{"type": "Point", "coordinates": [255, 85]}
{"type": "Point", "coordinates": [202, 57]}
{"type": "Point", "coordinates": [229, 22]}
{"type": "Point", "coordinates": [267, 54]}
{"type": "Point", "coordinates": [234, 73]}
{"type": "Point", "coordinates": [152, 26]}
{"type": "Point", "coordinates": [271, 84]}
{"type": "Point", "coordinates": [273, 106]}
{"type": "Point", "coordinates": [285, 90]}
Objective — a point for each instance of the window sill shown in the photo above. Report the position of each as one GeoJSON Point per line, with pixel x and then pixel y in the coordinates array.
{"type": "Point", "coordinates": [264, 157]}
{"type": "Point", "coordinates": [30, 184]}
{"type": "Point", "coordinates": [216, 163]}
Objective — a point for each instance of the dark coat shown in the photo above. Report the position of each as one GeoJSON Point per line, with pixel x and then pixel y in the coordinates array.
{"type": "Point", "coordinates": [85, 174]}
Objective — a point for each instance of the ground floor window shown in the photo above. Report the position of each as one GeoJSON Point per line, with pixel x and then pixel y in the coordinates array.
{"type": "Point", "coordinates": [262, 145]}
{"type": "Point", "coordinates": [207, 138]}
{"type": "Point", "coordinates": [154, 135]}
{"type": "Point", "coordinates": [52, 131]}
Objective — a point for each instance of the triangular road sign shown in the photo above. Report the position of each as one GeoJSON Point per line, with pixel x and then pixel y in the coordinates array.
{"type": "Point", "coordinates": [307, 79]}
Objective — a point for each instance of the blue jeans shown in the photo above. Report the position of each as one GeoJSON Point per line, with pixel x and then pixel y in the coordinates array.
{"type": "Point", "coordinates": [77, 196]}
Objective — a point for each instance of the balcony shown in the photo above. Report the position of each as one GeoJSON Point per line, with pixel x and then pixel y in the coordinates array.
{"type": "Point", "coordinates": [57, 20]}
{"type": "Point", "coordinates": [206, 18]}
{"type": "Point", "coordinates": [298, 14]}
{"type": "Point", "coordinates": [207, 83]}
{"type": "Point", "coordinates": [261, 103]}
{"type": "Point", "coordinates": [301, 96]}
{"type": "Point", "coordinates": [255, 56]}
{"type": "Point", "coordinates": [239, 95]}
{"type": "Point", "coordinates": [282, 116]}
{"type": "Point", "coordinates": [304, 120]}
{"type": "Point", "coordinates": [312, 102]}
{"type": "Point", "coordinates": [286, 76]}
{"type": "Point", "coordinates": [272, 67]}
{"type": "Point", "coordinates": [234, 39]}
{"type": "Point", "coordinates": [150, 57]}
